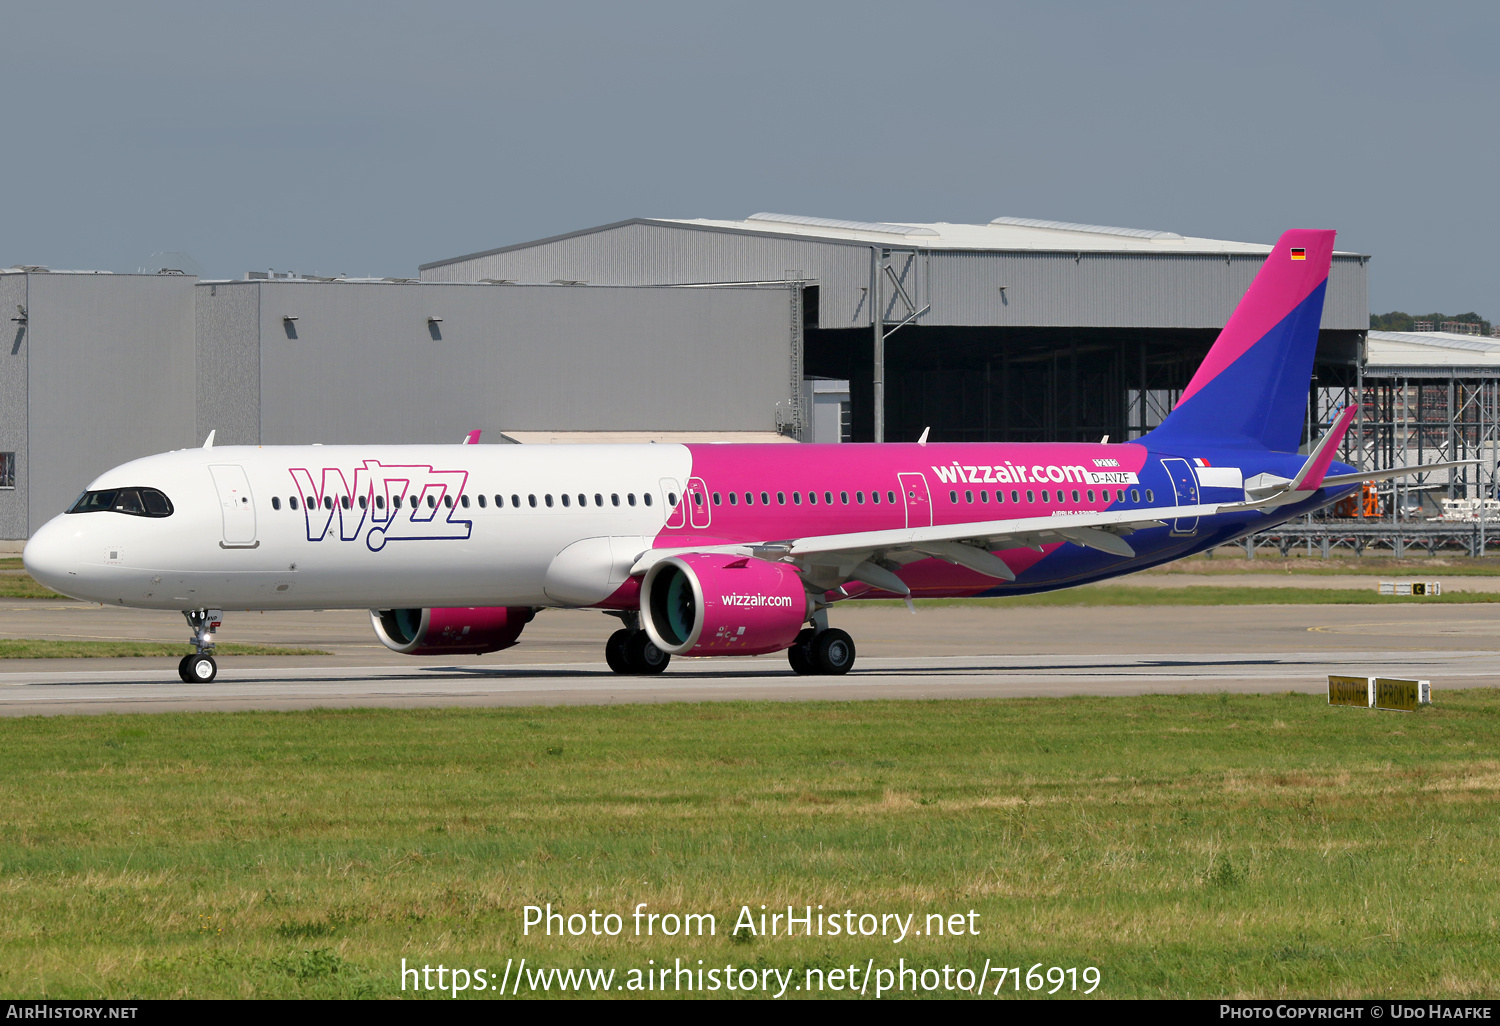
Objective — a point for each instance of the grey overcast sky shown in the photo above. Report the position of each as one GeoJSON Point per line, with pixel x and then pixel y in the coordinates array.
{"type": "Point", "coordinates": [368, 138]}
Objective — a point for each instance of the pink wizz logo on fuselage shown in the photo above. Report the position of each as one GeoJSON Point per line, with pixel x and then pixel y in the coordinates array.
{"type": "Point", "coordinates": [381, 503]}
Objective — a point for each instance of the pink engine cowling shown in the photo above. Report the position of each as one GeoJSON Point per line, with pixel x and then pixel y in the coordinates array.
{"type": "Point", "coordinates": [456, 631]}
{"type": "Point", "coordinates": [702, 605]}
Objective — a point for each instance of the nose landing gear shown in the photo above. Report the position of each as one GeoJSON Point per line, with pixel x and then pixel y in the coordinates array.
{"type": "Point", "coordinates": [199, 667]}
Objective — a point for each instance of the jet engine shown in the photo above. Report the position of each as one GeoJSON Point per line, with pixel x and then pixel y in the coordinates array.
{"type": "Point", "coordinates": [458, 631]}
{"type": "Point", "coordinates": [704, 605]}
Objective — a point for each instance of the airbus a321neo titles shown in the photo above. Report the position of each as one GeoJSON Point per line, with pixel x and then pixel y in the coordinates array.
{"type": "Point", "coordinates": [709, 550]}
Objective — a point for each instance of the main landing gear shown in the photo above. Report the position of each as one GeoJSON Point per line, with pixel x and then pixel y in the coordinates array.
{"type": "Point", "coordinates": [200, 667]}
{"type": "Point", "coordinates": [827, 651]}
{"type": "Point", "coordinates": [629, 650]}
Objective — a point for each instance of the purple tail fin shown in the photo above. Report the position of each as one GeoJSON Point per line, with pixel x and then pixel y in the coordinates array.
{"type": "Point", "coordinates": [1251, 389]}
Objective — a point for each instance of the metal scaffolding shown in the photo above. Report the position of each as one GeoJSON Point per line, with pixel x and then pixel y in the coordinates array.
{"type": "Point", "coordinates": [1422, 415]}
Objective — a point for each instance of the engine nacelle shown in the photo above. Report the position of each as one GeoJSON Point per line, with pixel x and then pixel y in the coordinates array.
{"type": "Point", "coordinates": [700, 605]}
{"type": "Point", "coordinates": [457, 631]}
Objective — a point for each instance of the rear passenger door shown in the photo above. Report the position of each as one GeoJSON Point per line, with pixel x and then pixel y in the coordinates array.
{"type": "Point", "coordinates": [918, 500]}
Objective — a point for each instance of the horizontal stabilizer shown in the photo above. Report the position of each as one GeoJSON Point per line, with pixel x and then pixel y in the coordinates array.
{"type": "Point", "coordinates": [1338, 480]}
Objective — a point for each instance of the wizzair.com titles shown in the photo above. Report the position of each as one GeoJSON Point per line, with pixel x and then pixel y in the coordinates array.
{"type": "Point", "coordinates": [756, 600]}
{"type": "Point", "coordinates": [1010, 473]}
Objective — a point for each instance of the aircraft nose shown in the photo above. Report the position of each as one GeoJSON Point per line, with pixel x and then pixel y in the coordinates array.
{"type": "Point", "coordinates": [52, 556]}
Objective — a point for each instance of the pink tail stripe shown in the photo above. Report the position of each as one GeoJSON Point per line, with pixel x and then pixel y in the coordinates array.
{"type": "Point", "coordinates": [1282, 284]}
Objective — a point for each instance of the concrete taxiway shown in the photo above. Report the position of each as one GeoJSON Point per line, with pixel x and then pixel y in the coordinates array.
{"type": "Point", "coordinates": [944, 652]}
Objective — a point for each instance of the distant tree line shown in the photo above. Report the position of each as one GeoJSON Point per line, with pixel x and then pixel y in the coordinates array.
{"type": "Point", "coordinates": [1399, 321]}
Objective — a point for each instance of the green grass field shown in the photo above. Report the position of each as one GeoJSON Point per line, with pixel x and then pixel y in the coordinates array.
{"type": "Point", "coordinates": [1186, 846]}
{"type": "Point", "coordinates": [24, 586]}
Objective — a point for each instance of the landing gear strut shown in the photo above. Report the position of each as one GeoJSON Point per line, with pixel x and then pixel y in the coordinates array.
{"type": "Point", "coordinates": [828, 651]}
{"type": "Point", "coordinates": [200, 667]}
{"type": "Point", "coordinates": [629, 650]}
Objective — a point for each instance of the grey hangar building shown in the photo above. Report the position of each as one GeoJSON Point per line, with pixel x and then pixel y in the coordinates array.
{"type": "Point", "coordinates": [772, 328]}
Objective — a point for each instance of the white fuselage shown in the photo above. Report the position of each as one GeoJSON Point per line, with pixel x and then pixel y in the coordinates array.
{"type": "Point", "coordinates": [405, 527]}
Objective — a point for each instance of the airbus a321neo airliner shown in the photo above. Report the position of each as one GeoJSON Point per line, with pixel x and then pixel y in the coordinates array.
{"type": "Point", "coordinates": [708, 550]}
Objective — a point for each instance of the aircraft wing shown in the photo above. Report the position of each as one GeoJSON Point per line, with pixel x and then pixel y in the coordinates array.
{"type": "Point", "coordinates": [864, 555]}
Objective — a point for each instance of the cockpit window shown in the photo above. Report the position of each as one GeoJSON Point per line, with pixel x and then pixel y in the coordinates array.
{"type": "Point", "coordinates": [138, 502]}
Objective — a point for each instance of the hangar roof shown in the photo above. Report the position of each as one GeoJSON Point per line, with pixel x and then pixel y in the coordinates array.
{"type": "Point", "coordinates": [1003, 234]}
{"type": "Point", "coordinates": [1429, 349]}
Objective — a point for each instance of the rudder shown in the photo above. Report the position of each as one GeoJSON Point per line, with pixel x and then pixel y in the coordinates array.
{"type": "Point", "coordinates": [1251, 388]}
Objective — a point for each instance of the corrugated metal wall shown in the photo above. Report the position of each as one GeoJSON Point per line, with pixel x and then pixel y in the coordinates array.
{"type": "Point", "coordinates": [368, 366]}
{"type": "Point", "coordinates": [110, 371]}
{"type": "Point", "coordinates": [1148, 290]}
{"type": "Point", "coordinates": [227, 330]}
{"type": "Point", "coordinates": [14, 510]}
{"type": "Point", "coordinates": [1115, 290]}
{"type": "Point", "coordinates": [646, 254]}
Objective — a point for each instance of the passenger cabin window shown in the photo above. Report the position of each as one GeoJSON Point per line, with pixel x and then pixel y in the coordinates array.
{"type": "Point", "coordinates": [646, 498]}
{"type": "Point", "coordinates": [328, 502]}
{"type": "Point", "coordinates": [292, 502]}
{"type": "Point", "coordinates": [733, 499]}
{"type": "Point", "coordinates": [614, 498]}
{"type": "Point", "coordinates": [432, 501]}
{"type": "Point", "coordinates": [671, 499]}
{"type": "Point", "coordinates": [765, 498]}
{"type": "Point", "coordinates": [1149, 497]}
{"type": "Point", "coordinates": [532, 499]}
{"type": "Point", "coordinates": [599, 500]}
{"type": "Point", "coordinates": [515, 500]}
{"type": "Point", "coordinates": [564, 500]}
{"type": "Point", "coordinates": [630, 498]}
{"type": "Point", "coordinates": [548, 500]}
{"type": "Point", "coordinates": [137, 502]}
{"type": "Point", "coordinates": [481, 501]}
{"type": "Point", "coordinates": [344, 501]}
{"type": "Point", "coordinates": [1135, 495]}
{"type": "Point", "coordinates": [275, 502]}
{"type": "Point", "coordinates": [463, 500]}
